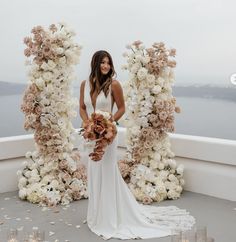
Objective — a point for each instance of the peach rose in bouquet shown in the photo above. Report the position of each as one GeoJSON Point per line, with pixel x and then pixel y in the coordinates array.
{"type": "Point", "coordinates": [100, 130]}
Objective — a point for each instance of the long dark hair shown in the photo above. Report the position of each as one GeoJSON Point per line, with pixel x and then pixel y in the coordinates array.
{"type": "Point", "coordinates": [97, 80]}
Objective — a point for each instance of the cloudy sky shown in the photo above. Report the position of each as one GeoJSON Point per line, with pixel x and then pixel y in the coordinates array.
{"type": "Point", "coordinates": [203, 32]}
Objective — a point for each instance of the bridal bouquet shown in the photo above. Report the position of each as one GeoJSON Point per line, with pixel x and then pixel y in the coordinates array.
{"type": "Point", "coordinates": [99, 131]}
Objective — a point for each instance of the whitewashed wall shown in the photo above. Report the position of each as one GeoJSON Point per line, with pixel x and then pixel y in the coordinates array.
{"type": "Point", "coordinates": [210, 164]}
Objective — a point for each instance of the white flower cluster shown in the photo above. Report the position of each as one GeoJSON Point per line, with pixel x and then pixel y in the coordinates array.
{"type": "Point", "coordinates": [51, 175]}
{"type": "Point", "coordinates": [157, 177]}
{"type": "Point", "coordinates": [105, 114]}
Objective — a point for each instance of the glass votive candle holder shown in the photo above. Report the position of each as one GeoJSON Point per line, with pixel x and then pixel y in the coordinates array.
{"type": "Point", "coordinates": [201, 234]}
{"type": "Point", "coordinates": [39, 236]}
{"type": "Point", "coordinates": [175, 235]}
{"type": "Point", "coordinates": [12, 235]}
{"type": "Point", "coordinates": [188, 236]}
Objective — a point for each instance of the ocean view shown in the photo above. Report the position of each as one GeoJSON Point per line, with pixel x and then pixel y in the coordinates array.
{"type": "Point", "coordinates": [202, 116]}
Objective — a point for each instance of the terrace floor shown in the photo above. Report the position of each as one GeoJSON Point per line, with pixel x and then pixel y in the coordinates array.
{"type": "Point", "coordinates": [65, 223]}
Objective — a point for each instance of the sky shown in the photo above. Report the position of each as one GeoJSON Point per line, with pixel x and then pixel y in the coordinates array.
{"type": "Point", "coordinates": [202, 32]}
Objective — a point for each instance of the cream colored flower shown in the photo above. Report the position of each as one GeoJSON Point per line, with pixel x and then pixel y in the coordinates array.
{"type": "Point", "coordinates": [142, 73]}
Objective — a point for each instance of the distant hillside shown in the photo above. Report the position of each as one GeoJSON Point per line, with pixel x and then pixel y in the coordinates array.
{"type": "Point", "coordinates": [9, 88]}
{"type": "Point", "coordinates": [206, 91]}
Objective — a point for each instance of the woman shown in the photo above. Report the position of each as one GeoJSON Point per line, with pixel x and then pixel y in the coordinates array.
{"type": "Point", "coordinates": [113, 211]}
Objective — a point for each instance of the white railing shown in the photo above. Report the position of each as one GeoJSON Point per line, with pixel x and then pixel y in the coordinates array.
{"type": "Point", "coordinates": [210, 163]}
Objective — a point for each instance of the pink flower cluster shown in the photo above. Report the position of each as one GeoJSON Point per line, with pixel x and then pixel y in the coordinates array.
{"type": "Point", "coordinates": [162, 116]}
{"type": "Point", "coordinates": [159, 57]}
{"type": "Point", "coordinates": [161, 120]}
{"type": "Point", "coordinates": [124, 170]}
{"type": "Point", "coordinates": [40, 45]}
{"type": "Point", "coordinates": [100, 130]}
{"type": "Point", "coordinates": [31, 107]}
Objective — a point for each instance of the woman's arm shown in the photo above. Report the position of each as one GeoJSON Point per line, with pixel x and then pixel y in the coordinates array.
{"type": "Point", "coordinates": [117, 93]}
{"type": "Point", "coordinates": [82, 106]}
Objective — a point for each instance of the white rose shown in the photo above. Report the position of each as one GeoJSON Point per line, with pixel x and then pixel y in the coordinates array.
{"type": "Point", "coordinates": [157, 157]}
{"type": "Point", "coordinates": [135, 68]}
{"type": "Point", "coordinates": [161, 189]}
{"type": "Point", "coordinates": [142, 121]}
{"type": "Point", "coordinates": [47, 76]}
{"type": "Point", "coordinates": [27, 174]}
{"type": "Point", "coordinates": [172, 178]}
{"type": "Point", "coordinates": [44, 66]}
{"type": "Point", "coordinates": [35, 154]}
{"type": "Point", "coordinates": [62, 60]}
{"type": "Point", "coordinates": [150, 78]}
{"type": "Point", "coordinates": [163, 96]}
{"type": "Point", "coordinates": [39, 83]}
{"type": "Point", "coordinates": [142, 73]}
{"type": "Point", "coordinates": [23, 181]}
{"type": "Point", "coordinates": [54, 183]}
{"type": "Point", "coordinates": [34, 179]}
{"type": "Point", "coordinates": [138, 57]}
{"type": "Point", "coordinates": [34, 172]}
{"type": "Point", "coordinates": [182, 182]}
{"type": "Point", "coordinates": [69, 53]}
{"type": "Point", "coordinates": [172, 163]}
{"type": "Point", "coordinates": [105, 114]}
{"type": "Point", "coordinates": [23, 193]}
{"type": "Point", "coordinates": [179, 189]}
{"type": "Point", "coordinates": [51, 64]}
{"type": "Point", "coordinates": [173, 194]}
{"type": "Point", "coordinates": [156, 89]}
{"type": "Point", "coordinates": [163, 174]}
{"type": "Point", "coordinates": [180, 169]}
{"type": "Point", "coordinates": [161, 166]}
{"type": "Point", "coordinates": [59, 50]}
{"type": "Point", "coordinates": [28, 154]}
{"type": "Point", "coordinates": [161, 81]}
{"type": "Point", "coordinates": [40, 161]}
{"type": "Point", "coordinates": [50, 88]}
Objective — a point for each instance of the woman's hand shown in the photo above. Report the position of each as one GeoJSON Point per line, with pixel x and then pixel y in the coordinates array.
{"type": "Point", "coordinates": [111, 119]}
{"type": "Point", "coordinates": [84, 123]}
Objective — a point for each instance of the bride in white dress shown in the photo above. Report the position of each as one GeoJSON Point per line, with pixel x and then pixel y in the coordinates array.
{"type": "Point", "coordinates": [113, 211]}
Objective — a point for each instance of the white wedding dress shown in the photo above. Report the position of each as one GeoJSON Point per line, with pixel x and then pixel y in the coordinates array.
{"type": "Point", "coordinates": [113, 211]}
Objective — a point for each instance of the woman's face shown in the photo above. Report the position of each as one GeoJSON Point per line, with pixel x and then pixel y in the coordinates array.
{"type": "Point", "coordinates": [105, 66]}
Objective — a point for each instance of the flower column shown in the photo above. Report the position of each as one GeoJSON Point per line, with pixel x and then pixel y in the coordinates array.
{"type": "Point", "coordinates": [53, 174]}
{"type": "Point", "coordinates": [149, 168]}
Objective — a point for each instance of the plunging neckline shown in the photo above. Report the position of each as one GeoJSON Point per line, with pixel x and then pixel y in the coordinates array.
{"type": "Point", "coordinates": [94, 107]}
{"type": "Point", "coordinates": [91, 101]}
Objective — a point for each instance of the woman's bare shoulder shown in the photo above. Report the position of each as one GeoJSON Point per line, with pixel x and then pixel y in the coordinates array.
{"type": "Point", "coordinates": [115, 84]}
{"type": "Point", "coordinates": [82, 84]}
